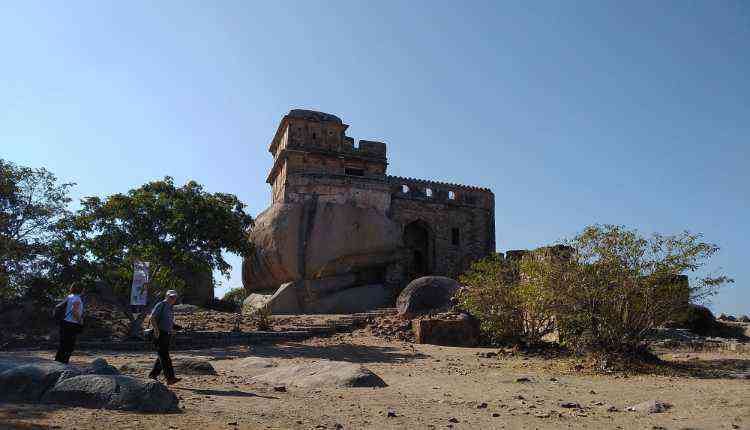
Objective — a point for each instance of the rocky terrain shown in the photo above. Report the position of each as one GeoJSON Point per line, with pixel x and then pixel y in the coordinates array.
{"type": "Point", "coordinates": [353, 381]}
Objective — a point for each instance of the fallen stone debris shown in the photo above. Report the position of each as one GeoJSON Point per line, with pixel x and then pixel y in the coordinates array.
{"type": "Point", "coordinates": [649, 407]}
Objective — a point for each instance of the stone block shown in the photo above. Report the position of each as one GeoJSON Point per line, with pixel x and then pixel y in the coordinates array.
{"type": "Point", "coordinates": [458, 332]}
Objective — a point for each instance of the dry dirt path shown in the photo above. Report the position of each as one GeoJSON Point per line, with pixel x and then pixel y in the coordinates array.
{"type": "Point", "coordinates": [429, 387]}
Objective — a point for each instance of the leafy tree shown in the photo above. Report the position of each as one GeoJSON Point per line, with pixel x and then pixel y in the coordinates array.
{"type": "Point", "coordinates": [510, 308]}
{"type": "Point", "coordinates": [31, 203]}
{"type": "Point", "coordinates": [618, 284]}
{"type": "Point", "coordinates": [236, 296]}
{"type": "Point", "coordinates": [180, 231]}
{"type": "Point", "coordinates": [604, 290]}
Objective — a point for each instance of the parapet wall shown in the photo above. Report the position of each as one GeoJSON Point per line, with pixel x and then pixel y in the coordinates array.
{"type": "Point", "coordinates": [442, 192]}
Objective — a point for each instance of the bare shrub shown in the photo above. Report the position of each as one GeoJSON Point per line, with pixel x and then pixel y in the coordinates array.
{"type": "Point", "coordinates": [261, 317]}
{"type": "Point", "coordinates": [604, 290]}
{"type": "Point", "coordinates": [509, 310]}
{"type": "Point", "coordinates": [617, 285]}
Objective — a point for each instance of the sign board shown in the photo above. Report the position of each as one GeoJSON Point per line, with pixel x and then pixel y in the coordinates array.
{"type": "Point", "coordinates": [139, 291]}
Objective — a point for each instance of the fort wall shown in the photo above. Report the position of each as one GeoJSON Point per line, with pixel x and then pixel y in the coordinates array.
{"type": "Point", "coordinates": [445, 226]}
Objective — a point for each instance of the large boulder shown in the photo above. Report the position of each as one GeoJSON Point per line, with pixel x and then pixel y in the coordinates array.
{"type": "Point", "coordinates": [100, 367]}
{"type": "Point", "coordinates": [426, 294]}
{"type": "Point", "coordinates": [29, 381]}
{"type": "Point", "coordinates": [296, 241]}
{"type": "Point", "coordinates": [323, 373]}
{"type": "Point", "coordinates": [352, 300]}
{"type": "Point", "coordinates": [321, 297]}
{"type": "Point", "coordinates": [112, 392]}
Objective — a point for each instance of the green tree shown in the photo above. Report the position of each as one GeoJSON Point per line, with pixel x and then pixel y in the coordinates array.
{"type": "Point", "coordinates": [618, 284]}
{"type": "Point", "coordinates": [32, 202]}
{"type": "Point", "coordinates": [236, 296]}
{"type": "Point", "coordinates": [604, 290]}
{"type": "Point", "coordinates": [178, 230]}
{"type": "Point", "coordinates": [510, 308]}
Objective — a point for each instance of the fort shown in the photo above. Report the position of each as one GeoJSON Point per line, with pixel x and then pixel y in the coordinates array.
{"type": "Point", "coordinates": [395, 229]}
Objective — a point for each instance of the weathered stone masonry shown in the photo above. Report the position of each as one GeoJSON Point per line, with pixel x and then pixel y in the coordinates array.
{"type": "Point", "coordinates": [445, 226]}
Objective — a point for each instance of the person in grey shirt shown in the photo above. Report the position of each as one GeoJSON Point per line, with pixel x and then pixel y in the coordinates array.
{"type": "Point", "coordinates": [162, 321]}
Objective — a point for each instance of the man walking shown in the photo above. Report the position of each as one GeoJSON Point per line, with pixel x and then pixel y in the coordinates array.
{"type": "Point", "coordinates": [162, 321]}
{"type": "Point", "coordinates": [71, 324]}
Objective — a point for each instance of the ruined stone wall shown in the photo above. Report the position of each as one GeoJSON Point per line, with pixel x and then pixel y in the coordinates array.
{"type": "Point", "coordinates": [459, 220]}
{"type": "Point", "coordinates": [444, 226]}
{"type": "Point", "coordinates": [340, 189]}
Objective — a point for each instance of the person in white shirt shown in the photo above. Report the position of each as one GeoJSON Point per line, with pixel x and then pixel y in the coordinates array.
{"type": "Point", "coordinates": [71, 325]}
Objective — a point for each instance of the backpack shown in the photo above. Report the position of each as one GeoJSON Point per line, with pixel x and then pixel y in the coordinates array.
{"type": "Point", "coordinates": [59, 312]}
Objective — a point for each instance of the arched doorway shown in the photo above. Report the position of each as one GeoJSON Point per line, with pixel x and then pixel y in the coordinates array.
{"type": "Point", "coordinates": [417, 241]}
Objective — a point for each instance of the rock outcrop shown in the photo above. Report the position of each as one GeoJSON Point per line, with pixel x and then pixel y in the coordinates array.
{"type": "Point", "coordinates": [310, 255]}
{"type": "Point", "coordinates": [118, 392]}
{"type": "Point", "coordinates": [95, 386]}
{"type": "Point", "coordinates": [426, 294]}
{"type": "Point", "coordinates": [323, 373]}
{"type": "Point", "coordinates": [27, 382]}
{"type": "Point", "coordinates": [296, 241]}
{"type": "Point", "coordinates": [313, 297]}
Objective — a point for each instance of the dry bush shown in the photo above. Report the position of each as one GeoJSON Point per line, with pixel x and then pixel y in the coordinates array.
{"type": "Point", "coordinates": [509, 310]}
{"type": "Point", "coordinates": [603, 291]}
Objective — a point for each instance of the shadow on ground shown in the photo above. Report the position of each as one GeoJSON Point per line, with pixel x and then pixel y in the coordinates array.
{"type": "Point", "coordinates": [725, 368]}
{"type": "Point", "coordinates": [342, 352]}
{"type": "Point", "coordinates": [224, 393]}
{"type": "Point", "coordinates": [18, 415]}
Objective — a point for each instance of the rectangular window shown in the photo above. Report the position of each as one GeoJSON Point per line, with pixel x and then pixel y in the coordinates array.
{"type": "Point", "coordinates": [455, 239]}
{"type": "Point", "coordinates": [354, 172]}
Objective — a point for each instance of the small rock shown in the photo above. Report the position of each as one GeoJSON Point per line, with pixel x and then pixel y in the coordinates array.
{"type": "Point", "coordinates": [523, 379]}
{"type": "Point", "coordinates": [553, 379]}
{"type": "Point", "coordinates": [650, 407]}
{"type": "Point", "coordinates": [453, 420]}
{"type": "Point", "coordinates": [280, 389]}
{"type": "Point", "coordinates": [495, 415]}
{"type": "Point", "coordinates": [233, 423]}
{"type": "Point", "coordinates": [542, 414]}
{"type": "Point", "coordinates": [482, 405]}
{"type": "Point", "coordinates": [391, 413]}
{"type": "Point", "coordinates": [612, 408]}
{"type": "Point", "coordinates": [570, 405]}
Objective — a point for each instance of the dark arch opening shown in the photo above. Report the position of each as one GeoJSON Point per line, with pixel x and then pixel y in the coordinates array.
{"type": "Point", "coordinates": [417, 241]}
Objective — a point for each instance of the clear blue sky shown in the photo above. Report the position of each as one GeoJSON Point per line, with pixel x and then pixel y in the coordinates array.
{"type": "Point", "coordinates": [634, 113]}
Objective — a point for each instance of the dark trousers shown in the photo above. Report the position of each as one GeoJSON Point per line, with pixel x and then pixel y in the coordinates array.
{"type": "Point", "coordinates": [164, 361]}
{"type": "Point", "coordinates": [68, 333]}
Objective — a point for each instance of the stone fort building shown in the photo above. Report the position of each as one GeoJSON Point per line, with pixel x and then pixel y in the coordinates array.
{"type": "Point", "coordinates": [438, 228]}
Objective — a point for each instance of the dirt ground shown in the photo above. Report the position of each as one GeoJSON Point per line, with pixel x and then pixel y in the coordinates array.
{"type": "Point", "coordinates": [429, 387]}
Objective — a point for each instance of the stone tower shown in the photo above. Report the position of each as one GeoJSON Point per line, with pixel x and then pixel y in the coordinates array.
{"type": "Point", "coordinates": [314, 159]}
{"type": "Point", "coordinates": [345, 236]}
